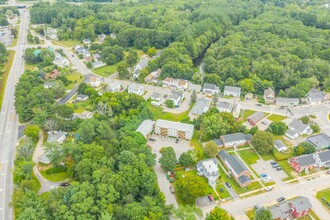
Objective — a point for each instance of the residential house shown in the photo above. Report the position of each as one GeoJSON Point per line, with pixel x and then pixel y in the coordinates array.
{"type": "Point", "coordinates": [209, 169]}
{"type": "Point", "coordinates": [232, 91]}
{"type": "Point", "coordinates": [297, 128]}
{"type": "Point", "coordinates": [153, 76]}
{"type": "Point", "coordinates": [236, 167]}
{"type": "Point", "coordinates": [291, 209]}
{"type": "Point", "coordinates": [56, 136]}
{"type": "Point", "coordinates": [170, 82]}
{"type": "Point", "coordinates": [96, 56]}
{"type": "Point", "coordinates": [177, 97]}
{"type": "Point", "coordinates": [146, 128]}
{"type": "Point", "coordinates": [136, 89]}
{"type": "Point", "coordinates": [320, 141]}
{"type": "Point", "coordinates": [174, 129]}
{"type": "Point", "coordinates": [225, 107]}
{"type": "Point", "coordinates": [235, 140]}
{"type": "Point", "coordinates": [98, 64]}
{"type": "Point", "coordinates": [322, 159]}
{"type": "Point", "coordinates": [210, 89]}
{"type": "Point", "coordinates": [196, 87]}
{"type": "Point", "coordinates": [81, 98]}
{"type": "Point", "coordinates": [287, 102]}
{"type": "Point", "coordinates": [48, 84]}
{"type": "Point", "coordinates": [315, 96]}
{"type": "Point", "coordinates": [201, 106]}
{"type": "Point", "coordinates": [86, 41]}
{"type": "Point", "coordinates": [53, 74]}
{"type": "Point", "coordinates": [143, 63]}
{"type": "Point", "coordinates": [157, 99]}
{"type": "Point", "coordinates": [280, 146]}
{"type": "Point", "coordinates": [237, 110]}
{"type": "Point", "coordinates": [182, 84]}
{"type": "Point", "coordinates": [301, 163]}
{"type": "Point", "coordinates": [113, 86]}
{"type": "Point", "coordinates": [269, 96]}
{"type": "Point", "coordinates": [80, 49]}
{"type": "Point", "coordinates": [84, 115]}
{"type": "Point", "coordinates": [101, 38]}
{"type": "Point", "coordinates": [95, 81]}
{"type": "Point", "coordinates": [61, 62]}
{"type": "Point", "coordinates": [89, 59]}
{"type": "Point", "coordinates": [44, 159]}
{"type": "Point", "coordinates": [113, 35]}
{"type": "Point", "coordinates": [249, 96]}
{"type": "Point", "coordinates": [255, 118]}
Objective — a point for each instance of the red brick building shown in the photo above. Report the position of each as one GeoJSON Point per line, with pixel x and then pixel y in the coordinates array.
{"type": "Point", "coordinates": [305, 162]}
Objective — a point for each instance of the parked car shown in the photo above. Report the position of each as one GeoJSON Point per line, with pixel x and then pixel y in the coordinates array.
{"type": "Point", "coordinates": [273, 162]}
{"type": "Point", "coordinates": [263, 175]}
{"type": "Point", "coordinates": [258, 104]}
{"type": "Point", "coordinates": [172, 189]}
{"type": "Point", "coordinates": [275, 165]}
{"type": "Point", "coordinates": [269, 188]}
{"type": "Point", "coordinates": [228, 184]}
{"type": "Point", "coordinates": [151, 139]}
{"type": "Point", "coordinates": [177, 140]}
{"type": "Point", "coordinates": [279, 168]}
{"type": "Point", "coordinates": [64, 184]}
{"type": "Point", "coordinates": [281, 199]}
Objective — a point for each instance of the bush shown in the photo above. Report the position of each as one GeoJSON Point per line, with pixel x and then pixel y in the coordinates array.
{"type": "Point", "coordinates": [56, 170]}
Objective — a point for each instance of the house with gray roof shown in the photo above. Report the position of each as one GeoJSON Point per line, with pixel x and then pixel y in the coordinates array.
{"type": "Point", "coordinates": [232, 91]}
{"type": "Point", "coordinates": [201, 106]}
{"type": "Point", "coordinates": [294, 208]}
{"type": "Point", "coordinates": [44, 159]}
{"type": "Point", "coordinates": [315, 96]}
{"type": "Point", "coordinates": [56, 136]}
{"type": "Point", "coordinates": [235, 140]}
{"type": "Point", "coordinates": [256, 117]}
{"type": "Point", "coordinates": [48, 84]}
{"type": "Point", "coordinates": [177, 97]}
{"type": "Point", "coordinates": [320, 141]}
{"type": "Point", "coordinates": [236, 167]}
{"type": "Point", "coordinates": [135, 89]}
{"type": "Point", "coordinates": [280, 146]}
{"type": "Point", "coordinates": [157, 99]}
{"type": "Point", "coordinates": [209, 169]}
{"type": "Point", "coordinates": [81, 97]}
{"type": "Point", "coordinates": [287, 102]}
{"type": "Point", "coordinates": [225, 107]}
{"type": "Point", "coordinates": [113, 86]}
{"type": "Point", "coordinates": [280, 211]}
{"type": "Point", "coordinates": [146, 128]}
{"type": "Point", "coordinates": [174, 129]}
{"type": "Point", "coordinates": [210, 89]}
{"type": "Point", "coordinates": [297, 128]}
{"type": "Point", "coordinates": [196, 87]}
{"type": "Point", "coordinates": [322, 159]}
{"type": "Point", "coordinates": [237, 110]}
{"type": "Point", "coordinates": [302, 163]}
{"type": "Point", "coordinates": [269, 96]}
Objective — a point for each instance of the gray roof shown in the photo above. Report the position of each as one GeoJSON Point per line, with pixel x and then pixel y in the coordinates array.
{"type": "Point", "coordinates": [232, 89]}
{"type": "Point", "coordinates": [143, 63]}
{"type": "Point", "coordinates": [195, 87]}
{"type": "Point", "coordinates": [279, 144]}
{"type": "Point", "coordinates": [200, 163]}
{"type": "Point", "coordinates": [146, 127]}
{"type": "Point", "coordinates": [243, 179]}
{"type": "Point", "coordinates": [113, 85]}
{"type": "Point", "coordinates": [156, 95]}
{"type": "Point", "coordinates": [248, 137]}
{"type": "Point", "coordinates": [324, 156]}
{"type": "Point", "coordinates": [290, 132]}
{"type": "Point", "coordinates": [210, 86]}
{"type": "Point", "coordinates": [280, 211]}
{"type": "Point", "coordinates": [234, 137]}
{"type": "Point", "coordinates": [301, 203]}
{"type": "Point", "coordinates": [298, 126]}
{"type": "Point", "coordinates": [135, 87]}
{"type": "Point", "coordinates": [218, 142]}
{"type": "Point", "coordinates": [175, 125]}
{"type": "Point", "coordinates": [52, 137]}
{"type": "Point", "coordinates": [315, 94]}
{"type": "Point", "coordinates": [199, 106]}
{"type": "Point", "coordinates": [269, 93]}
{"type": "Point", "coordinates": [287, 100]}
{"type": "Point", "coordinates": [233, 161]}
{"type": "Point", "coordinates": [257, 116]}
{"type": "Point", "coordinates": [305, 160]}
{"type": "Point", "coordinates": [225, 105]}
{"type": "Point", "coordinates": [176, 95]}
{"type": "Point", "coordinates": [82, 96]}
{"type": "Point", "coordinates": [319, 141]}
{"type": "Point", "coordinates": [44, 159]}
{"type": "Point", "coordinates": [49, 83]}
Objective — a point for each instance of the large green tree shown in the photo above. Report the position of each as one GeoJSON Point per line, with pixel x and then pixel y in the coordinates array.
{"type": "Point", "coordinates": [168, 160]}
{"type": "Point", "coordinates": [190, 188]}
{"type": "Point", "coordinates": [263, 214]}
{"type": "Point", "coordinates": [218, 213]}
{"type": "Point", "coordinates": [263, 142]}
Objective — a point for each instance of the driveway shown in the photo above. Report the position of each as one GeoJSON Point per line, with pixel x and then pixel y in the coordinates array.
{"type": "Point", "coordinates": [265, 167]}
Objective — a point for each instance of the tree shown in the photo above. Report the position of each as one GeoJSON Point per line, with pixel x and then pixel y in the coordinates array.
{"type": "Point", "coordinates": [215, 98]}
{"type": "Point", "coordinates": [277, 128]}
{"type": "Point", "coordinates": [64, 111]}
{"type": "Point", "coordinates": [169, 103]}
{"type": "Point", "coordinates": [193, 97]}
{"type": "Point", "coordinates": [54, 153]}
{"type": "Point", "coordinates": [58, 89]}
{"type": "Point", "coordinates": [211, 149]}
{"type": "Point", "coordinates": [122, 71]}
{"type": "Point", "coordinates": [218, 213]}
{"type": "Point", "coordinates": [189, 188]}
{"type": "Point", "coordinates": [132, 57]}
{"type": "Point", "coordinates": [253, 130]}
{"type": "Point", "coordinates": [305, 119]}
{"type": "Point", "coordinates": [32, 131]}
{"type": "Point", "coordinates": [186, 159]}
{"type": "Point", "coordinates": [304, 148]}
{"type": "Point", "coordinates": [187, 212]}
{"type": "Point", "coordinates": [151, 51]}
{"type": "Point", "coordinates": [263, 142]}
{"type": "Point", "coordinates": [168, 159]}
{"type": "Point", "coordinates": [315, 127]}
{"type": "Point", "coordinates": [263, 214]}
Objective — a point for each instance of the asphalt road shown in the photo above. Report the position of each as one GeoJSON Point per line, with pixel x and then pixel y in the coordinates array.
{"type": "Point", "coordinates": [9, 122]}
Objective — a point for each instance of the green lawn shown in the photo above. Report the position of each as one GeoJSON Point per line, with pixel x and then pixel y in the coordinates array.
{"type": "Point", "coordinates": [276, 118]}
{"type": "Point", "coordinates": [285, 141]}
{"type": "Point", "coordinates": [225, 193]}
{"type": "Point", "coordinates": [106, 71]}
{"type": "Point", "coordinates": [268, 156]}
{"type": "Point", "coordinates": [76, 79]}
{"type": "Point", "coordinates": [197, 145]}
{"type": "Point", "coordinates": [249, 156]}
{"type": "Point", "coordinates": [283, 156]}
{"type": "Point", "coordinates": [286, 168]}
{"type": "Point", "coordinates": [55, 177]}
{"type": "Point", "coordinates": [5, 69]}
{"type": "Point", "coordinates": [79, 107]}
{"type": "Point", "coordinates": [158, 113]}
{"type": "Point", "coordinates": [247, 113]}
{"type": "Point", "coordinates": [250, 213]}
{"type": "Point", "coordinates": [67, 43]}
{"type": "Point", "coordinates": [324, 197]}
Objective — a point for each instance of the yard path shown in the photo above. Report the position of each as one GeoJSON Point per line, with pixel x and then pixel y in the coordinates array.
{"type": "Point", "coordinates": [39, 150]}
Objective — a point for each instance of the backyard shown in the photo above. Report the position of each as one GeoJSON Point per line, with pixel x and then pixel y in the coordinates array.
{"type": "Point", "coordinates": [76, 79]}
{"type": "Point", "coordinates": [78, 107]}
{"type": "Point", "coordinates": [324, 197]}
{"type": "Point", "coordinates": [276, 118]}
{"type": "Point", "coordinates": [55, 177]}
{"type": "Point", "coordinates": [158, 113]}
{"type": "Point", "coordinates": [247, 113]}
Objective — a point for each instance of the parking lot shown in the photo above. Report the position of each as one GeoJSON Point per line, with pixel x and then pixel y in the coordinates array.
{"type": "Point", "coordinates": [6, 38]}
{"type": "Point", "coordinates": [265, 167]}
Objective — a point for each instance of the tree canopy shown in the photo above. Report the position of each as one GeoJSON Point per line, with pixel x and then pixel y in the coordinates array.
{"type": "Point", "coordinates": [263, 142]}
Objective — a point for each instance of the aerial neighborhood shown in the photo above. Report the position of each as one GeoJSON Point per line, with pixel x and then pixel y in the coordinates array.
{"type": "Point", "coordinates": [165, 110]}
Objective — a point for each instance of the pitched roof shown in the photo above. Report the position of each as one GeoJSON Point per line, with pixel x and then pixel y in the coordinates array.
{"type": "Point", "coordinates": [305, 160]}
{"type": "Point", "coordinates": [210, 86]}
{"type": "Point", "coordinates": [257, 116]}
{"type": "Point", "coordinates": [176, 95]}
{"type": "Point", "coordinates": [324, 156]}
{"type": "Point", "coordinates": [211, 165]}
{"type": "Point", "coordinates": [55, 136]}
{"type": "Point", "coordinates": [301, 203]}
{"type": "Point", "coordinates": [156, 95]}
{"type": "Point", "coordinates": [287, 100]}
{"type": "Point", "coordinates": [269, 93]}
{"type": "Point", "coordinates": [146, 127]}
{"type": "Point", "coordinates": [175, 125]}
{"type": "Point", "coordinates": [218, 142]}
{"type": "Point", "coordinates": [200, 105]}
{"type": "Point", "coordinates": [298, 126]}
{"type": "Point", "coordinates": [243, 179]}
{"type": "Point", "coordinates": [315, 94]}
{"type": "Point", "coordinates": [234, 137]}
{"type": "Point", "coordinates": [195, 87]}
{"type": "Point", "coordinates": [225, 105]}
{"type": "Point", "coordinates": [82, 96]}
{"type": "Point", "coordinates": [320, 140]}
{"type": "Point", "coordinates": [113, 85]}
{"type": "Point", "coordinates": [135, 87]}
{"type": "Point", "coordinates": [233, 89]}
{"type": "Point", "coordinates": [280, 210]}
{"type": "Point", "coordinates": [279, 144]}
{"type": "Point", "coordinates": [233, 161]}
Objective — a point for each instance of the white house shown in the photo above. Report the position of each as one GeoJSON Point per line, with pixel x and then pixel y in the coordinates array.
{"type": "Point", "coordinates": [280, 146]}
{"type": "Point", "coordinates": [170, 82]}
{"type": "Point", "coordinates": [225, 107]}
{"type": "Point", "coordinates": [209, 169]}
{"type": "Point", "coordinates": [177, 97]}
{"type": "Point", "coordinates": [237, 110]}
{"type": "Point", "coordinates": [146, 127]}
{"type": "Point", "coordinates": [297, 128]}
{"type": "Point", "coordinates": [210, 89]}
{"type": "Point", "coordinates": [81, 98]}
{"type": "Point", "coordinates": [48, 84]}
{"type": "Point", "coordinates": [196, 87]}
{"type": "Point", "coordinates": [322, 159]}
{"type": "Point", "coordinates": [136, 89]}
{"type": "Point", "coordinates": [113, 86]}
{"type": "Point", "coordinates": [94, 81]}
{"type": "Point", "coordinates": [232, 91]}
{"type": "Point", "coordinates": [201, 106]}
{"type": "Point", "coordinates": [174, 129]}
{"type": "Point", "coordinates": [235, 140]}
{"type": "Point", "coordinates": [157, 99]}
{"type": "Point", "coordinates": [315, 96]}
{"type": "Point", "coordinates": [84, 115]}
{"type": "Point", "coordinates": [86, 41]}
{"type": "Point", "coordinates": [182, 84]}
{"type": "Point", "coordinates": [56, 136]}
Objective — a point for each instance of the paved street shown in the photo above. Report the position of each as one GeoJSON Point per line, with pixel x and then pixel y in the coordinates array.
{"type": "Point", "coordinates": [9, 122]}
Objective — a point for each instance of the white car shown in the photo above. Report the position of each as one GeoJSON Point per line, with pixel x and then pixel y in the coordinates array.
{"type": "Point", "coordinates": [269, 188]}
{"type": "Point", "coordinates": [53, 187]}
{"type": "Point", "coordinates": [266, 179]}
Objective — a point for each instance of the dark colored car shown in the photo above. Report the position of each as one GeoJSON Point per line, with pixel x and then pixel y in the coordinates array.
{"type": "Point", "coordinates": [177, 140]}
{"type": "Point", "coordinates": [151, 139]}
{"type": "Point", "coordinates": [275, 165]}
{"type": "Point", "coordinates": [273, 162]}
{"type": "Point", "coordinates": [279, 168]}
{"type": "Point", "coordinates": [281, 199]}
{"type": "Point", "coordinates": [228, 184]}
{"type": "Point", "coordinates": [64, 184]}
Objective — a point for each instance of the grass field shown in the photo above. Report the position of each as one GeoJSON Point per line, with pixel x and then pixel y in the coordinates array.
{"type": "Point", "coordinates": [286, 168]}
{"type": "Point", "coordinates": [76, 79]}
{"type": "Point", "coordinates": [283, 156]}
{"type": "Point", "coordinates": [247, 113]}
{"type": "Point", "coordinates": [55, 177]}
{"type": "Point", "coordinates": [5, 72]}
{"type": "Point", "coordinates": [276, 118]}
{"type": "Point", "coordinates": [68, 43]}
{"type": "Point", "coordinates": [249, 156]}
{"type": "Point", "coordinates": [106, 71]}
{"type": "Point", "coordinates": [250, 213]}
{"type": "Point", "coordinates": [158, 113]}
{"type": "Point", "coordinates": [79, 107]}
{"type": "Point", "coordinates": [225, 193]}
{"type": "Point", "coordinates": [324, 197]}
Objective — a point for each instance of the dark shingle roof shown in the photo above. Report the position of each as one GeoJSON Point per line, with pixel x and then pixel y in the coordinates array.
{"type": "Point", "coordinates": [257, 116]}
{"type": "Point", "coordinates": [243, 179]}
{"type": "Point", "coordinates": [210, 86]}
{"type": "Point", "coordinates": [320, 140]}
{"type": "Point", "coordinates": [324, 156]}
{"type": "Point", "coordinates": [234, 137]}
{"type": "Point", "coordinates": [305, 160]}
{"type": "Point", "coordinates": [233, 161]}
{"type": "Point", "coordinates": [301, 203]}
{"type": "Point", "coordinates": [218, 142]}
